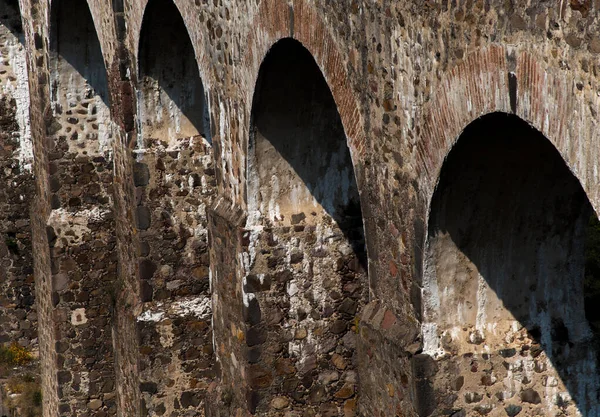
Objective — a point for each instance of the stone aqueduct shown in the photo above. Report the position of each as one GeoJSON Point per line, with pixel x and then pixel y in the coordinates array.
{"type": "Point", "coordinates": [302, 207]}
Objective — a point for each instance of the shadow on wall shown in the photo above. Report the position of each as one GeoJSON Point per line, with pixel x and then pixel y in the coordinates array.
{"type": "Point", "coordinates": [507, 234]}
{"type": "Point", "coordinates": [75, 49]}
{"type": "Point", "coordinates": [172, 91]}
{"type": "Point", "coordinates": [301, 157]}
{"type": "Point", "coordinates": [10, 17]}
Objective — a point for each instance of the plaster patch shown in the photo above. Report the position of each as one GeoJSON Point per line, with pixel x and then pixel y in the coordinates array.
{"type": "Point", "coordinates": [151, 316]}
{"type": "Point", "coordinates": [200, 307]}
{"type": "Point", "coordinates": [78, 317]}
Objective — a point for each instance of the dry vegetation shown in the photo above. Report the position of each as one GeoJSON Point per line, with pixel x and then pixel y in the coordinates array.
{"type": "Point", "coordinates": [20, 386]}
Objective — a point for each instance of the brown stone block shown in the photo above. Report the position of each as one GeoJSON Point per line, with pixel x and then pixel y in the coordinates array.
{"type": "Point", "coordinates": [284, 366]}
{"type": "Point", "coordinates": [346, 391]}
{"type": "Point", "coordinates": [259, 377]}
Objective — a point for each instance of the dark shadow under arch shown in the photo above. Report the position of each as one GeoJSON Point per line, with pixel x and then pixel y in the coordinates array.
{"type": "Point", "coordinates": [297, 135]}
{"type": "Point", "coordinates": [10, 17]}
{"type": "Point", "coordinates": [307, 271]}
{"type": "Point", "coordinates": [509, 215]}
{"type": "Point", "coordinates": [169, 74]}
{"type": "Point", "coordinates": [75, 50]}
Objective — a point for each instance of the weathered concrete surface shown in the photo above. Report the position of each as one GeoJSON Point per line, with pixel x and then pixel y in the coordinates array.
{"type": "Point", "coordinates": [138, 190]}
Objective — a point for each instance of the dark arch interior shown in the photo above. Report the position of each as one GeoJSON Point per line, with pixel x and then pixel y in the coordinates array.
{"type": "Point", "coordinates": [297, 137]}
{"type": "Point", "coordinates": [75, 49]}
{"type": "Point", "coordinates": [169, 74]}
{"type": "Point", "coordinates": [592, 278]}
{"type": "Point", "coordinates": [304, 211]}
{"type": "Point", "coordinates": [508, 208]}
{"type": "Point", "coordinates": [10, 16]}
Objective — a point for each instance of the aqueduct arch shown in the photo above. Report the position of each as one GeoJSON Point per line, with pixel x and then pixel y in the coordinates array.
{"type": "Point", "coordinates": [297, 135]}
{"type": "Point", "coordinates": [174, 179]}
{"type": "Point", "coordinates": [306, 229]}
{"type": "Point", "coordinates": [172, 97]}
{"type": "Point", "coordinates": [80, 168]}
{"type": "Point", "coordinates": [173, 153]}
{"type": "Point", "coordinates": [301, 21]}
{"type": "Point", "coordinates": [174, 136]}
{"type": "Point", "coordinates": [555, 92]}
{"type": "Point", "coordinates": [543, 96]}
{"type": "Point", "coordinates": [76, 62]}
{"type": "Point", "coordinates": [505, 268]}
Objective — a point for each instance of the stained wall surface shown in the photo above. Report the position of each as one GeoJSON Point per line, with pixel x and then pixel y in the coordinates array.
{"type": "Point", "coordinates": [306, 270]}
{"type": "Point", "coordinates": [504, 289]}
{"type": "Point", "coordinates": [18, 317]}
{"type": "Point", "coordinates": [208, 230]}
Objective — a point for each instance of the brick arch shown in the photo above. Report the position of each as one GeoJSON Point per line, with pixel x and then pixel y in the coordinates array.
{"type": "Point", "coordinates": [507, 236]}
{"type": "Point", "coordinates": [299, 20]}
{"type": "Point", "coordinates": [197, 38]}
{"type": "Point", "coordinates": [547, 98]}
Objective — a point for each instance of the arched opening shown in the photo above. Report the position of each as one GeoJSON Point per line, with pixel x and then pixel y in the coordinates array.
{"type": "Point", "coordinates": [504, 289]}
{"type": "Point", "coordinates": [307, 273]}
{"type": "Point", "coordinates": [301, 161]}
{"type": "Point", "coordinates": [78, 72]}
{"type": "Point", "coordinates": [175, 184]}
{"type": "Point", "coordinates": [10, 17]}
{"type": "Point", "coordinates": [79, 95]}
{"type": "Point", "coordinates": [174, 169]}
{"type": "Point", "coordinates": [172, 99]}
{"type": "Point", "coordinates": [78, 357]}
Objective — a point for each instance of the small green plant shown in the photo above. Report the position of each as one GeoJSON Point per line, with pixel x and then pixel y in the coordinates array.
{"type": "Point", "coordinates": [15, 355]}
{"type": "Point", "coordinates": [227, 397]}
{"type": "Point", "coordinates": [21, 389]}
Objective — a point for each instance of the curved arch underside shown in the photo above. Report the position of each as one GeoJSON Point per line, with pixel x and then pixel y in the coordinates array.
{"type": "Point", "coordinates": [505, 270]}
{"type": "Point", "coordinates": [79, 87]}
{"type": "Point", "coordinates": [298, 138]}
{"type": "Point", "coordinates": [172, 93]}
{"type": "Point", "coordinates": [308, 233]}
{"type": "Point", "coordinates": [76, 48]}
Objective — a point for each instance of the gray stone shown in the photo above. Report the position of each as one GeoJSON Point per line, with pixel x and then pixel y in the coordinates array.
{"type": "Point", "coordinates": [530, 395]}
{"type": "Point", "coordinates": [512, 410]}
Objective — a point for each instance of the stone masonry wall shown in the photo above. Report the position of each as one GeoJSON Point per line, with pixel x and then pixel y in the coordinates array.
{"type": "Point", "coordinates": [174, 187]}
{"type": "Point", "coordinates": [18, 316]}
{"type": "Point", "coordinates": [305, 279]}
{"type": "Point", "coordinates": [133, 230]}
{"type": "Point", "coordinates": [81, 224]}
{"type": "Point", "coordinates": [229, 393]}
{"type": "Point", "coordinates": [496, 290]}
